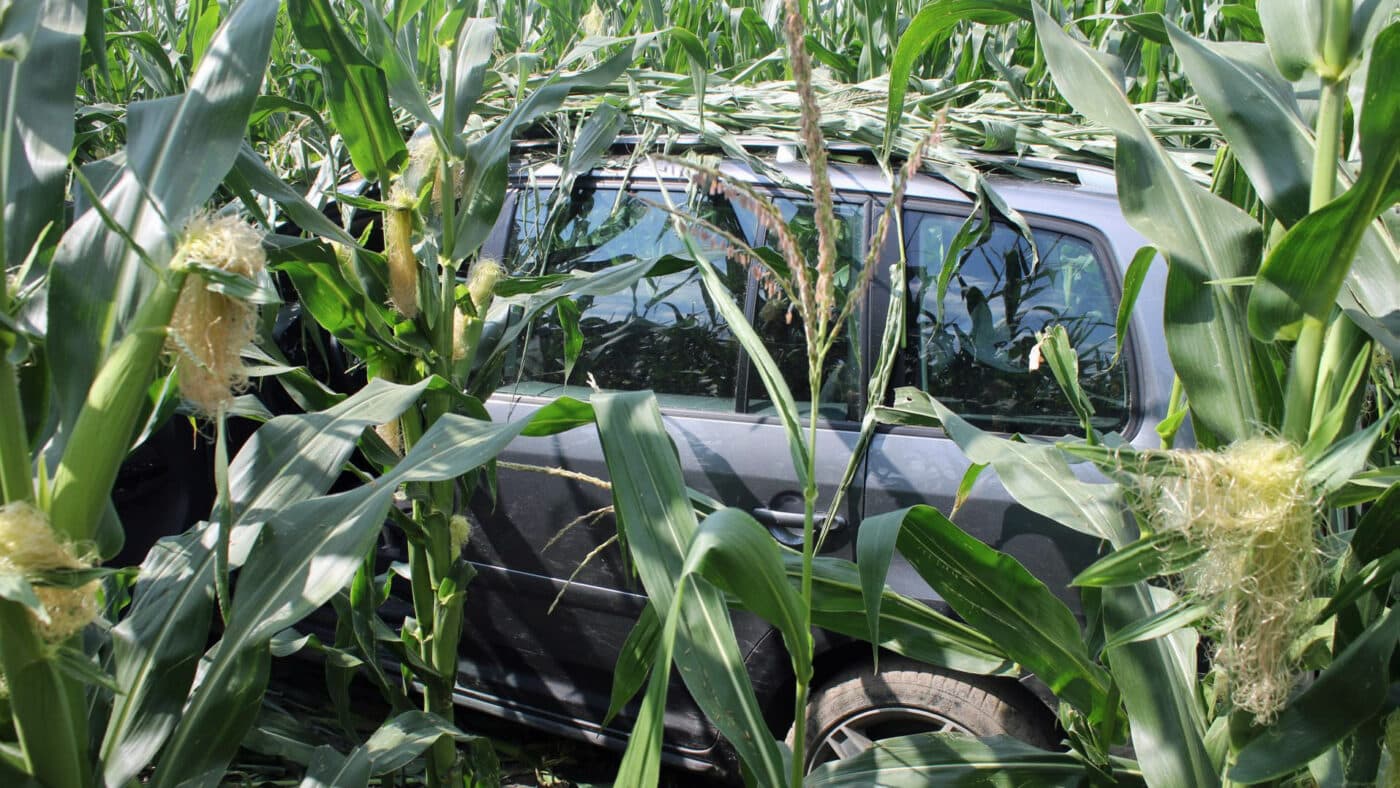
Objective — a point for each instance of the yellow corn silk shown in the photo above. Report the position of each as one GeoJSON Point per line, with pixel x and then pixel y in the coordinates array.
{"type": "Point", "coordinates": [1248, 506]}
{"type": "Point", "coordinates": [28, 545]}
{"type": "Point", "coordinates": [209, 329]}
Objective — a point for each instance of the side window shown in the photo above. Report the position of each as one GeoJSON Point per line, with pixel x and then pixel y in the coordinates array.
{"type": "Point", "coordinates": [782, 332]}
{"type": "Point", "coordinates": [662, 333]}
{"type": "Point", "coordinates": [972, 349]}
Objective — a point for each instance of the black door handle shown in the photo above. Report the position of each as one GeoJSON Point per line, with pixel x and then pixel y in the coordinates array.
{"type": "Point", "coordinates": [781, 524]}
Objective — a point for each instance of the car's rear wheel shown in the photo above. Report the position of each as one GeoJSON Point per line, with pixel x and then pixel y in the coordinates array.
{"type": "Point", "coordinates": [859, 706]}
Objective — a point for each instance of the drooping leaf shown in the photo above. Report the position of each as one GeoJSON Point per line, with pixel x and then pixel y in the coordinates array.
{"type": "Point", "coordinates": [634, 661]}
{"type": "Point", "coordinates": [736, 554]}
{"type": "Point", "coordinates": [1036, 474]}
{"type": "Point", "coordinates": [397, 742]}
{"type": "Point", "coordinates": [330, 769]}
{"type": "Point", "coordinates": [991, 591]}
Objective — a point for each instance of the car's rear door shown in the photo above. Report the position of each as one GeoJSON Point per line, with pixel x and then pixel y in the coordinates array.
{"type": "Point", "coordinates": [972, 346]}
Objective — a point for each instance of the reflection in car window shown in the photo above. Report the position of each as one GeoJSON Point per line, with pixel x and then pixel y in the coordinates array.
{"type": "Point", "coordinates": [662, 333]}
{"type": "Point", "coordinates": [782, 332]}
{"type": "Point", "coordinates": [973, 350]}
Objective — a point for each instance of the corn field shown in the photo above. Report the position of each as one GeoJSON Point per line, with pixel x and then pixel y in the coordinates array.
{"type": "Point", "coordinates": [266, 223]}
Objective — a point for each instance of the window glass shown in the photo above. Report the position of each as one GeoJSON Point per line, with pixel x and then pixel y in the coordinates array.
{"type": "Point", "coordinates": [781, 329]}
{"type": "Point", "coordinates": [973, 350]}
{"type": "Point", "coordinates": [662, 333]}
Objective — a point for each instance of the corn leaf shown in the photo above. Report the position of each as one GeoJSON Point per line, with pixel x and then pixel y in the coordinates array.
{"type": "Point", "coordinates": [992, 592]}
{"type": "Point", "coordinates": [1304, 273]}
{"type": "Point", "coordinates": [356, 90]}
{"type": "Point", "coordinates": [1203, 237]}
{"type": "Point", "coordinates": [330, 769]}
{"type": "Point", "coordinates": [38, 87]}
{"type": "Point", "coordinates": [1349, 692]}
{"type": "Point", "coordinates": [655, 513]}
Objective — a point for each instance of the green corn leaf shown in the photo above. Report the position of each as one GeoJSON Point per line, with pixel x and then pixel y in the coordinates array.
{"type": "Point", "coordinates": [639, 652]}
{"type": "Point", "coordinates": [330, 769]}
{"type": "Point", "coordinates": [1153, 556]}
{"type": "Point", "coordinates": [403, 82]}
{"type": "Point", "coordinates": [1376, 534]}
{"type": "Point", "coordinates": [1293, 29]}
{"type": "Point", "coordinates": [1374, 576]}
{"type": "Point", "coordinates": [1203, 237]}
{"type": "Point", "coordinates": [935, 22]}
{"type": "Point", "coordinates": [472, 54]}
{"type": "Point", "coordinates": [1348, 693]}
{"type": "Point", "coordinates": [16, 588]}
{"type": "Point", "coordinates": [397, 742]}
{"type": "Point", "coordinates": [38, 117]}
{"type": "Point", "coordinates": [254, 171]}
{"type": "Point", "coordinates": [1158, 682]}
{"type": "Point", "coordinates": [655, 513]}
{"type": "Point", "coordinates": [907, 627]}
{"type": "Point", "coordinates": [1036, 474]}
{"type": "Point", "coordinates": [1132, 287]}
{"type": "Point", "coordinates": [992, 592]}
{"type": "Point", "coordinates": [49, 709]}
{"type": "Point", "coordinates": [356, 90]}
{"type": "Point", "coordinates": [1304, 273]}
{"type": "Point", "coordinates": [739, 556]}
{"type": "Point", "coordinates": [1258, 115]}
{"type": "Point", "coordinates": [1163, 623]}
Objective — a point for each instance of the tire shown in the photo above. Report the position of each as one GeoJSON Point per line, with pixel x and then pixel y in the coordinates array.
{"type": "Point", "coordinates": [858, 706]}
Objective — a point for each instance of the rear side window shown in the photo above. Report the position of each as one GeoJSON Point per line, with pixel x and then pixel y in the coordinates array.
{"type": "Point", "coordinates": [972, 349]}
{"type": "Point", "coordinates": [663, 333]}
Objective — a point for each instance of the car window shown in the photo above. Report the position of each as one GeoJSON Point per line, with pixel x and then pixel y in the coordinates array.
{"type": "Point", "coordinates": [973, 349]}
{"type": "Point", "coordinates": [663, 333]}
{"type": "Point", "coordinates": [781, 329]}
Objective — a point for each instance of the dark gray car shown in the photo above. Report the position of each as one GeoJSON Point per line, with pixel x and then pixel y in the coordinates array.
{"type": "Point", "coordinates": [555, 599]}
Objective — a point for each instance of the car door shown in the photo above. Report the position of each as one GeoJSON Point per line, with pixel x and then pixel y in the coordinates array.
{"type": "Point", "coordinates": [555, 598]}
{"type": "Point", "coordinates": [973, 349]}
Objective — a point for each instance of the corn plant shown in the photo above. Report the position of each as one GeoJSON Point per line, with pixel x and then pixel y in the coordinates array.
{"type": "Point", "coordinates": [93, 312]}
{"type": "Point", "coordinates": [1249, 523]}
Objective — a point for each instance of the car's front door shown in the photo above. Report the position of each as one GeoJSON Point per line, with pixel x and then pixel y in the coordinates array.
{"type": "Point", "coordinates": [555, 597]}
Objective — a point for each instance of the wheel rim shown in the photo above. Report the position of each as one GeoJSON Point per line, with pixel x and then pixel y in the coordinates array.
{"type": "Point", "coordinates": [857, 733]}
